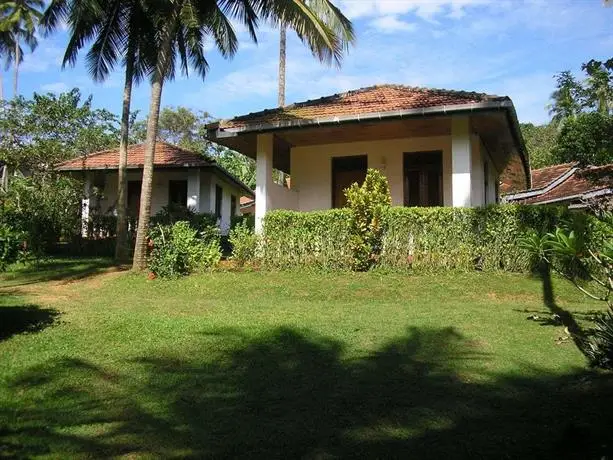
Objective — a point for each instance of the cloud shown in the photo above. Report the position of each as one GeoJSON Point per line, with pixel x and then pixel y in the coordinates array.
{"type": "Point", "coordinates": [46, 57]}
{"type": "Point", "coordinates": [57, 87]}
{"type": "Point", "coordinates": [426, 9]}
{"type": "Point", "coordinates": [391, 24]}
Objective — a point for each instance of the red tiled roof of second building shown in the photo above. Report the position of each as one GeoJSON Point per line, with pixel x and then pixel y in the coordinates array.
{"type": "Point", "coordinates": [544, 176]}
{"type": "Point", "coordinates": [583, 181]}
{"type": "Point", "coordinates": [166, 156]}
{"type": "Point", "coordinates": [374, 99]}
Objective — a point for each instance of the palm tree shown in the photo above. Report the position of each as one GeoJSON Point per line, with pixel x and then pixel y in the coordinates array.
{"type": "Point", "coordinates": [118, 29]}
{"type": "Point", "coordinates": [182, 28]}
{"type": "Point", "coordinates": [20, 18]}
{"type": "Point", "coordinates": [568, 98]}
{"type": "Point", "coordinates": [598, 87]}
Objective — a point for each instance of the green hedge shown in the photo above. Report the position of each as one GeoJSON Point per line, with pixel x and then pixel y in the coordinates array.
{"type": "Point", "coordinates": [420, 238]}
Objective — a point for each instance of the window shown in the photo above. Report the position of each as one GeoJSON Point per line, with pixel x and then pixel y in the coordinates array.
{"type": "Point", "coordinates": [423, 179]}
{"type": "Point", "coordinates": [218, 201]}
{"type": "Point", "coordinates": [177, 192]}
{"type": "Point", "coordinates": [346, 171]}
{"type": "Point", "coordinates": [232, 205]}
{"type": "Point", "coordinates": [134, 189]}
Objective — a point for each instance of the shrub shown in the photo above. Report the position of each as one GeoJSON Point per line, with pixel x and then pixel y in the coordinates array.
{"type": "Point", "coordinates": [419, 238]}
{"type": "Point", "coordinates": [179, 249]}
{"type": "Point", "coordinates": [244, 243]}
{"type": "Point", "coordinates": [173, 213]}
{"type": "Point", "coordinates": [11, 242]}
{"type": "Point", "coordinates": [368, 204]}
{"type": "Point", "coordinates": [318, 239]}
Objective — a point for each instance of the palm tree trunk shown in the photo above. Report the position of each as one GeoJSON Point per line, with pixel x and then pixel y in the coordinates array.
{"type": "Point", "coordinates": [140, 249]}
{"type": "Point", "coordinates": [121, 243]}
{"type": "Point", "coordinates": [282, 60]}
{"type": "Point", "coordinates": [157, 83]}
{"type": "Point", "coordinates": [16, 76]}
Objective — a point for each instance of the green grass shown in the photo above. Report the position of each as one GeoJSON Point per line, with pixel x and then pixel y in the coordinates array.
{"type": "Point", "coordinates": [293, 365]}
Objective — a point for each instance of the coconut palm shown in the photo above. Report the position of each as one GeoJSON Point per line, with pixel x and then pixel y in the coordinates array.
{"type": "Point", "coordinates": [183, 26]}
{"type": "Point", "coordinates": [118, 29]}
{"type": "Point", "coordinates": [20, 19]}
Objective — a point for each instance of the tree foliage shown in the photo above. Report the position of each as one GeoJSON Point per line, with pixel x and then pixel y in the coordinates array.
{"type": "Point", "coordinates": [40, 132]}
{"type": "Point", "coordinates": [540, 142]}
{"type": "Point", "coordinates": [587, 139]}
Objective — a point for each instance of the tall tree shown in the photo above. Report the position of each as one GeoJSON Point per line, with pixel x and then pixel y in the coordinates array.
{"type": "Point", "coordinates": [182, 27]}
{"type": "Point", "coordinates": [567, 99]}
{"type": "Point", "coordinates": [20, 19]}
{"type": "Point", "coordinates": [118, 29]}
{"type": "Point", "coordinates": [598, 85]}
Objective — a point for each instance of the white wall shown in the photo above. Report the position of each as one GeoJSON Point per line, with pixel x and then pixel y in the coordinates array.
{"type": "Point", "coordinates": [159, 194]}
{"type": "Point", "coordinates": [312, 167]}
{"type": "Point", "coordinates": [159, 197]}
{"type": "Point", "coordinates": [228, 189]}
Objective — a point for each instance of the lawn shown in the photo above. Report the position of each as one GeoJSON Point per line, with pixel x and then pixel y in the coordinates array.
{"type": "Point", "coordinates": [96, 363]}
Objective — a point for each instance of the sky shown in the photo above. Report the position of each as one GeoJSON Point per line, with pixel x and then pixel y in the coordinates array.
{"type": "Point", "coordinates": [503, 47]}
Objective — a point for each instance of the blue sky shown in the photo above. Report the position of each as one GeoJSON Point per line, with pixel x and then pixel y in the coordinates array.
{"type": "Point", "coordinates": [504, 47]}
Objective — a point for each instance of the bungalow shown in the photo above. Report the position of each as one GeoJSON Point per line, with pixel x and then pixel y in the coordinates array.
{"type": "Point", "coordinates": [180, 177]}
{"type": "Point", "coordinates": [436, 147]}
{"type": "Point", "coordinates": [566, 184]}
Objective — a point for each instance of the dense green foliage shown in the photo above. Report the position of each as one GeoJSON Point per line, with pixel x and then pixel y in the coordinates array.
{"type": "Point", "coordinates": [587, 139]}
{"type": "Point", "coordinates": [180, 249]}
{"type": "Point", "coordinates": [11, 244]}
{"type": "Point", "coordinates": [43, 209]}
{"type": "Point", "coordinates": [293, 365]}
{"type": "Point", "coordinates": [37, 133]}
{"type": "Point", "coordinates": [419, 238]}
{"type": "Point", "coordinates": [243, 241]}
{"type": "Point", "coordinates": [368, 203]}
{"type": "Point", "coordinates": [540, 141]}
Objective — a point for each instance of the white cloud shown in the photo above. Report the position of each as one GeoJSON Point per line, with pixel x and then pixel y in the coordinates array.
{"type": "Point", "coordinates": [57, 87]}
{"type": "Point", "coordinates": [426, 9]}
{"type": "Point", "coordinates": [391, 24]}
{"type": "Point", "coordinates": [46, 57]}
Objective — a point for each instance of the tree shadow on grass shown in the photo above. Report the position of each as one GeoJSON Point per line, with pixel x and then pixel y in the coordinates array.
{"type": "Point", "coordinates": [293, 394]}
{"type": "Point", "coordinates": [25, 319]}
{"type": "Point", "coordinates": [56, 270]}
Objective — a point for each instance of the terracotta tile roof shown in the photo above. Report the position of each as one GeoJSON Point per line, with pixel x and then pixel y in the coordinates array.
{"type": "Point", "coordinates": [374, 99]}
{"type": "Point", "coordinates": [544, 176]}
{"type": "Point", "coordinates": [583, 181]}
{"type": "Point", "coordinates": [166, 156]}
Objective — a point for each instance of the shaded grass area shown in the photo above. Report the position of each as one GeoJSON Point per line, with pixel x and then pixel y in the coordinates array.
{"type": "Point", "coordinates": [288, 365]}
{"type": "Point", "coordinates": [68, 269]}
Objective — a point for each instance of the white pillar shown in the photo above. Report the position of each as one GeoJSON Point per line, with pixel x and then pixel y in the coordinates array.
{"type": "Point", "coordinates": [193, 189]}
{"type": "Point", "coordinates": [85, 206]}
{"type": "Point", "coordinates": [263, 178]}
{"type": "Point", "coordinates": [461, 161]}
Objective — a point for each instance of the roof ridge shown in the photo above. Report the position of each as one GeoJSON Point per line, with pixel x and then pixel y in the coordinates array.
{"type": "Point", "coordinates": [571, 164]}
{"type": "Point", "coordinates": [359, 91]}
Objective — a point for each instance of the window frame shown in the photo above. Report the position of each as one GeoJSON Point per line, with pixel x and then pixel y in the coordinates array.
{"type": "Point", "coordinates": [423, 170]}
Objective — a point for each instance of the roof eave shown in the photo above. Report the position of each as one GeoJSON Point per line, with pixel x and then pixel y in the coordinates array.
{"type": "Point", "coordinates": [216, 131]}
